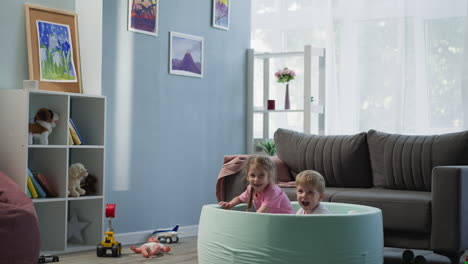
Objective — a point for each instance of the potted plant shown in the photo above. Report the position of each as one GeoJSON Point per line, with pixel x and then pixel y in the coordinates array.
{"type": "Point", "coordinates": [268, 146]}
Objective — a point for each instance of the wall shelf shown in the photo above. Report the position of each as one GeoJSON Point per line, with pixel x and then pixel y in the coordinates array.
{"type": "Point", "coordinates": [317, 107]}
{"type": "Point", "coordinates": [53, 160]}
{"type": "Point", "coordinates": [313, 108]}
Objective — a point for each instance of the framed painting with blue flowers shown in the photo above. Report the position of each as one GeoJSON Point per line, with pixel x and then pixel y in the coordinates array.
{"type": "Point", "coordinates": [53, 49]}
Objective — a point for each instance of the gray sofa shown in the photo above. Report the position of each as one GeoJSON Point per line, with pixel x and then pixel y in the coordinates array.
{"type": "Point", "coordinates": [419, 182]}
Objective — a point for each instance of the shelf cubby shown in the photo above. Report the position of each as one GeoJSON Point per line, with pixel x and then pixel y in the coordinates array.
{"type": "Point", "coordinates": [58, 103]}
{"type": "Point", "coordinates": [91, 158]}
{"type": "Point", "coordinates": [52, 223]}
{"type": "Point", "coordinates": [91, 212]}
{"type": "Point", "coordinates": [52, 163]}
{"type": "Point", "coordinates": [89, 120]}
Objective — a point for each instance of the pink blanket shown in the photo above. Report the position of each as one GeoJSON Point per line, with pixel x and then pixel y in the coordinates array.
{"type": "Point", "coordinates": [234, 163]}
{"type": "Point", "coordinates": [231, 165]}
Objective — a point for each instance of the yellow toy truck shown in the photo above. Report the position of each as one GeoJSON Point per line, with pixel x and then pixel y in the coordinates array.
{"type": "Point", "coordinates": [109, 243]}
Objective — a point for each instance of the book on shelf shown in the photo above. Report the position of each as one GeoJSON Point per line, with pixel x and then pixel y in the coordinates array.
{"type": "Point", "coordinates": [70, 139]}
{"type": "Point", "coordinates": [40, 192]}
{"type": "Point", "coordinates": [76, 139]}
{"type": "Point", "coordinates": [77, 132]}
{"type": "Point", "coordinates": [28, 193]}
{"type": "Point", "coordinates": [44, 183]}
{"type": "Point", "coordinates": [31, 187]}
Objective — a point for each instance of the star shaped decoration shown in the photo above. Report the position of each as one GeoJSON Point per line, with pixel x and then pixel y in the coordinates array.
{"type": "Point", "coordinates": [75, 227]}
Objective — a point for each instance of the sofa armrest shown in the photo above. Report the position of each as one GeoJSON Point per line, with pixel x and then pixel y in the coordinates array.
{"type": "Point", "coordinates": [449, 209]}
{"type": "Point", "coordinates": [234, 185]}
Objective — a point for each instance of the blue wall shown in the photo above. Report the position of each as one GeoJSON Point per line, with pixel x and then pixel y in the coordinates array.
{"type": "Point", "coordinates": [167, 134]}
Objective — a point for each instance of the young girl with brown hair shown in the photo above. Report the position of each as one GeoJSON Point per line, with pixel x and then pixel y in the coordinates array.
{"type": "Point", "coordinates": [262, 191]}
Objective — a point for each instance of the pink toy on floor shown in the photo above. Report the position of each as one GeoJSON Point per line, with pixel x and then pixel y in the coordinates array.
{"type": "Point", "coordinates": [150, 248]}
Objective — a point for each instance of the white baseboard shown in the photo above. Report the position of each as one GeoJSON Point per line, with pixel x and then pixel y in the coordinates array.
{"type": "Point", "coordinates": [142, 236]}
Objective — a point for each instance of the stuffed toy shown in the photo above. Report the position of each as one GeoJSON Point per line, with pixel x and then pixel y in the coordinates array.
{"type": "Point", "coordinates": [75, 173]}
{"type": "Point", "coordinates": [150, 248]}
{"type": "Point", "coordinates": [89, 184]}
{"type": "Point", "coordinates": [44, 122]}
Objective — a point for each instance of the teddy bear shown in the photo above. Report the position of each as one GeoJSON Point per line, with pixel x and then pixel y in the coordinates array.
{"type": "Point", "coordinates": [76, 172]}
{"type": "Point", "coordinates": [89, 184]}
{"type": "Point", "coordinates": [39, 131]}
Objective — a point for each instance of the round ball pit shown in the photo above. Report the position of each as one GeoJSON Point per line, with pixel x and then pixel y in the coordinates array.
{"type": "Point", "coordinates": [235, 236]}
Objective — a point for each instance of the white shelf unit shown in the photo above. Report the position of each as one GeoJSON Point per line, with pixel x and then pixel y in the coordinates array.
{"type": "Point", "coordinates": [309, 108]}
{"type": "Point", "coordinates": [17, 108]}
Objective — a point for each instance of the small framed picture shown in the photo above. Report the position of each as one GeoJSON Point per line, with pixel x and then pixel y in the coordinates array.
{"type": "Point", "coordinates": [53, 49]}
{"type": "Point", "coordinates": [143, 16]}
{"type": "Point", "coordinates": [221, 11]}
{"type": "Point", "coordinates": [186, 55]}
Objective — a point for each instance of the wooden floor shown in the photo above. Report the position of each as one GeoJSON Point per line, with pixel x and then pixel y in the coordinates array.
{"type": "Point", "coordinates": [183, 252]}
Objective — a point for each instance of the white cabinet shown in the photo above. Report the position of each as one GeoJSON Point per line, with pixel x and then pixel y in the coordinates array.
{"type": "Point", "coordinates": [259, 64]}
{"type": "Point", "coordinates": [17, 107]}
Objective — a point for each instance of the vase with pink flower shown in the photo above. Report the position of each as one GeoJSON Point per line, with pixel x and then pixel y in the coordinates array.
{"type": "Point", "coordinates": [284, 76]}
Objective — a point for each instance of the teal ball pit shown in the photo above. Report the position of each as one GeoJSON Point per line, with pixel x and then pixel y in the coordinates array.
{"type": "Point", "coordinates": [238, 237]}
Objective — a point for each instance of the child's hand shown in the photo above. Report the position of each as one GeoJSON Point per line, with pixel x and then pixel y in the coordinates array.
{"type": "Point", "coordinates": [225, 205]}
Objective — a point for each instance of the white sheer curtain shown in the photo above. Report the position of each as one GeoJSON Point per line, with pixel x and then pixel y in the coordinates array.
{"type": "Point", "coordinates": [395, 66]}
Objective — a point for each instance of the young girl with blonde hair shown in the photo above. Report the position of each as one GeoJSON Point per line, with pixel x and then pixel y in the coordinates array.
{"type": "Point", "coordinates": [262, 191]}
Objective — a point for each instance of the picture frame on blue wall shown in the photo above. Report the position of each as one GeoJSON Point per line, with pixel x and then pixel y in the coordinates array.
{"type": "Point", "coordinates": [221, 14]}
{"type": "Point", "coordinates": [186, 54]}
{"type": "Point", "coordinates": [143, 16]}
{"type": "Point", "coordinates": [53, 48]}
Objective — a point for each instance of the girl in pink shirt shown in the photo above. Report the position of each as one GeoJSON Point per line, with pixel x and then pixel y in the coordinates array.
{"type": "Point", "coordinates": [262, 192]}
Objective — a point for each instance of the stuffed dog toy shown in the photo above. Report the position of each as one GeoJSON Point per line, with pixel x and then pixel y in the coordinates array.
{"type": "Point", "coordinates": [75, 173]}
{"type": "Point", "coordinates": [44, 122]}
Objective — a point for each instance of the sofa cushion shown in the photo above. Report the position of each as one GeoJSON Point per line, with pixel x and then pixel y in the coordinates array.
{"type": "Point", "coordinates": [405, 162]}
{"type": "Point", "coordinates": [401, 210]}
{"type": "Point", "coordinates": [342, 160]}
{"type": "Point", "coordinates": [290, 192]}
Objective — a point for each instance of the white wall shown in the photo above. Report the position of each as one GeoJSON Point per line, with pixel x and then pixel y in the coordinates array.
{"type": "Point", "coordinates": [90, 37]}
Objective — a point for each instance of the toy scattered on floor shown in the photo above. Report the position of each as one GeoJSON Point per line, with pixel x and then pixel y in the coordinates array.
{"type": "Point", "coordinates": [76, 172]}
{"type": "Point", "coordinates": [89, 184]}
{"type": "Point", "coordinates": [48, 258]}
{"type": "Point", "coordinates": [44, 122]}
{"type": "Point", "coordinates": [151, 247]}
{"type": "Point", "coordinates": [167, 235]}
{"type": "Point", "coordinates": [409, 258]}
{"type": "Point", "coordinates": [109, 242]}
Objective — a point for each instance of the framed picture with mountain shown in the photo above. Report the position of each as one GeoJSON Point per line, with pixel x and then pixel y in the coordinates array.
{"type": "Point", "coordinates": [186, 55]}
{"type": "Point", "coordinates": [143, 16]}
{"type": "Point", "coordinates": [221, 10]}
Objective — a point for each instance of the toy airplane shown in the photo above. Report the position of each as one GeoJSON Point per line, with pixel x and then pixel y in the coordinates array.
{"type": "Point", "coordinates": [167, 235]}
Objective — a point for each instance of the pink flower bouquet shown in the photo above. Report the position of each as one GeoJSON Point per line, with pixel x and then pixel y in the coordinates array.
{"type": "Point", "coordinates": [285, 75]}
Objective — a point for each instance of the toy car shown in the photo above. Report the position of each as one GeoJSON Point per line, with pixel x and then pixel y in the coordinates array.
{"type": "Point", "coordinates": [167, 235]}
{"type": "Point", "coordinates": [48, 258]}
{"type": "Point", "coordinates": [109, 241]}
